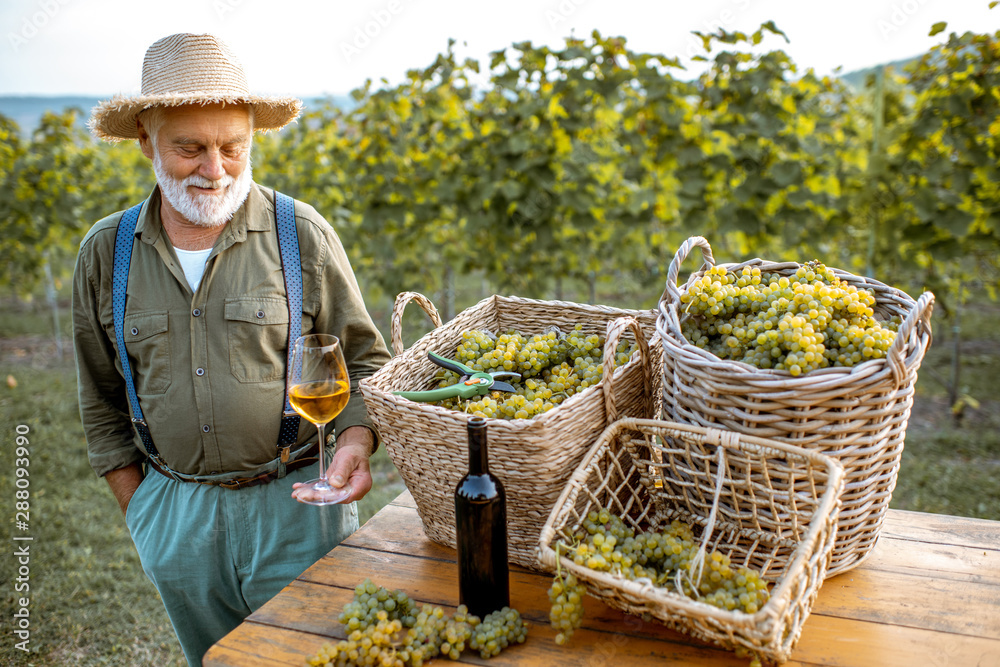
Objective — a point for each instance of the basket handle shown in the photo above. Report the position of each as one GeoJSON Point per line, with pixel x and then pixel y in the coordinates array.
{"type": "Point", "coordinates": [722, 440]}
{"type": "Point", "coordinates": [919, 316]}
{"type": "Point", "coordinates": [397, 316]}
{"type": "Point", "coordinates": [616, 328]}
{"type": "Point", "coordinates": [671, 290]}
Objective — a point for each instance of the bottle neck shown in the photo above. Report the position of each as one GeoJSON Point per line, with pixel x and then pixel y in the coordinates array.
{"type": "Point", "coordinates": [478, 456]}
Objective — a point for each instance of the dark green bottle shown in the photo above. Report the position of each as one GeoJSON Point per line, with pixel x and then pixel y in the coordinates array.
{"type": "Point", "coordinates": [481, 531]}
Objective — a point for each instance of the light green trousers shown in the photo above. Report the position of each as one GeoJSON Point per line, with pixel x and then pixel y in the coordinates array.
{"type": "Point", "coordinates": [216, 555]}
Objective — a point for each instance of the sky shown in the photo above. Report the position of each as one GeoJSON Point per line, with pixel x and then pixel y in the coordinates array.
{"type": "Point", "coordinates": [313, 48]}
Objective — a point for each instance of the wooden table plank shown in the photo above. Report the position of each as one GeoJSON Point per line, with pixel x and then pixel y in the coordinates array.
{"type": "Point", "coordinates": [255, 645]}
{"type": "Point", "coordinates": [942, 529]}
{"type": "Point", "coordinates": [942, 561]}
{"type": "Point", "coordinates": [405, 499]}
{"type": "Point", "coordinates": [929, 594]}
{"type": "Point", "coordinates": [842, 642]}
{"type": "Point", "coordinates": [963, 608]}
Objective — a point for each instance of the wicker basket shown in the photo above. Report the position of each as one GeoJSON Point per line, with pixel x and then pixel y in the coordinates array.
{"type": "Point", "coordinates": [532, 457]}
{"type": "Point", "coordinates": [767, 505]}
{"type": "Point", "coordinates": [856, 415]}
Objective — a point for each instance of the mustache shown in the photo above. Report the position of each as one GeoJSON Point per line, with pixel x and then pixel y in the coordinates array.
{"type": "Point", "coordinates": [202, 182]}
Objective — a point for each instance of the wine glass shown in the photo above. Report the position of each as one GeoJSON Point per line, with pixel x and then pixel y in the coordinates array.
{"type": "Point", "coordinates": [318, 389]}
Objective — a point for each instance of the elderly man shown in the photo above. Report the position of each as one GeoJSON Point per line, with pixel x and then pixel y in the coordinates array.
{"type": "Point", "coordinates": [184, 309]}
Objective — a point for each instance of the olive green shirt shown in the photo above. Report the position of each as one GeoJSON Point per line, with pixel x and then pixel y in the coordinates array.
{"type": "Point", "coordinates": [209, 365]}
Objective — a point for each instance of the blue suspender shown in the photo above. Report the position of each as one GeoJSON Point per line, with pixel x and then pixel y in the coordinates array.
{"type": "Point", "coordinates": [119, 283]}
{"type": "Point", "coordinates": [291, 266]}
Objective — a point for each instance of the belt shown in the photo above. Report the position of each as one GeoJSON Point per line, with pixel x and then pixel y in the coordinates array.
{"type": "Point", "coordinates": [311, 455]}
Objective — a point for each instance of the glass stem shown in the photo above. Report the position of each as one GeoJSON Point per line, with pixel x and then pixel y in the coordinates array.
{"type": "Point", "coordinates": [322, 452]}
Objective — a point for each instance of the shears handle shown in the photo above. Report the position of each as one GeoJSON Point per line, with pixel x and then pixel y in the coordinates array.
{"type": "Point", "coordinates": [450, 364]}
{"type": "Point", "coordinates": [476, 386]}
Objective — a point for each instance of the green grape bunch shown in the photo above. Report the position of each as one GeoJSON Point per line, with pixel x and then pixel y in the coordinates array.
{"type": "Point", "coordinates": [370, 599]}
{"type": "Point", "coordinates": [667, 557]}
{"type": "Point", "coordinates": [500, 629]}
{"type": "Point", "coordinates": [566, 603]}
{"type": "Point", "coordinates": [812, 319]}
{"type": "Point", "coordinates": [554, 366]}
{"type": "Point", "coordinates": [385, 629]}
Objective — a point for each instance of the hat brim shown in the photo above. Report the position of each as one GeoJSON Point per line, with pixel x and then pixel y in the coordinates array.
{"type": "Point", "coordinates": [114, 119]}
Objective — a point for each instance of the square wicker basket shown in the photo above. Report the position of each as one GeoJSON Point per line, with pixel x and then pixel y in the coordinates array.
{"type": "Point", "coordinates": [532, 457]}
{"type": "Point", "coordinates": [857, 415]}
{"type": "Point", "coordinates": [769, 506]}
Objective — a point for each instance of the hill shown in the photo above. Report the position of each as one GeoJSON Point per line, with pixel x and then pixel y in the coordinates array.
{"type": "Point", "coordinates": [27, 110]}
{"type": "Point", "coordinates": [856, 79]}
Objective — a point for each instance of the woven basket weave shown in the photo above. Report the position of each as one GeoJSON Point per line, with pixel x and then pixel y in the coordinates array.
{"type": "Point", "coordinates": [767, 505]}
{"type": "Point", "coordinates": [856, 415]}
{"type": "Point", "coordinates": [532, 457]}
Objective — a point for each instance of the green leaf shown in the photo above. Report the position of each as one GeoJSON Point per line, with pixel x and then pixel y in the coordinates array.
{"type": "Point", "coordinates": [921, 234]}
{"type": "Point", "coordinates": [787, 172]}
{"type": "Point", "coordinates": [689, 155]}
{"type": "Point", "coordinates": [694, 185]}
{"type": "Point", "coordinates": [770, 27]}
{"type": "Point", "coordinates": [519, 143]}
{"type": "Point", "coordinates": [955, 222]}
{"type": "Point", "coordinates": [940, 26]}
{"type": "Point", "coordinates": [747, 221]}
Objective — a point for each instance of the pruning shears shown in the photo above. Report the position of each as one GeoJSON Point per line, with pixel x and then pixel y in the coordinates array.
{"type": "Point", "coordinates": [470, 383]}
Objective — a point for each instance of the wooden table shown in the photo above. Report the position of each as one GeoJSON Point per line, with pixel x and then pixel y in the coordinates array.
{"type": "Point", "coordinates": [928, 595]}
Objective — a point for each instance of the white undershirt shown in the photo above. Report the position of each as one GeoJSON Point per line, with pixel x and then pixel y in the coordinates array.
{"type": "Point", "coordinates": [193, 263]}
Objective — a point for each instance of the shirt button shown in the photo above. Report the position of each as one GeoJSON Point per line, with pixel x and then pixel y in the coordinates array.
{"type": "Point", "coordinates": [196, 312]}
{"type": "Point", "coordinates": [260, 314]}
{"type": "Point", "coordinates": [206, 428]}
{"type": "Point", "coordinates": [200, 371]}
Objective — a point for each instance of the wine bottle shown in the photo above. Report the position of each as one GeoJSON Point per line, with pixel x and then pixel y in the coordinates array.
{"type": "Point", "coordinates": [481, 526]}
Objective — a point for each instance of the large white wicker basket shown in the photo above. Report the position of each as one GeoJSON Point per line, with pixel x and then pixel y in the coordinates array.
{"type": "Point", "coordinates": [856, 415]}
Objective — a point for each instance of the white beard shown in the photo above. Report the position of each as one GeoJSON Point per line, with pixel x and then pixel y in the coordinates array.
{"type": "Point", "coordinates": [203, 210]}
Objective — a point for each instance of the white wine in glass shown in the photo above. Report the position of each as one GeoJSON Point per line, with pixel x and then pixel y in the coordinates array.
{"type": "Point", "coordinates": [318, 389]}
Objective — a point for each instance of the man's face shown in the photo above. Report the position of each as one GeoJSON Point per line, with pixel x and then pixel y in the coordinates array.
{"type": "Point", "coordinates": [201, 158]}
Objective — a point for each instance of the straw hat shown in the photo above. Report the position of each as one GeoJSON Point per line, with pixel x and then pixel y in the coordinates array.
{"type": "Point", "coordinates": [189, 69]}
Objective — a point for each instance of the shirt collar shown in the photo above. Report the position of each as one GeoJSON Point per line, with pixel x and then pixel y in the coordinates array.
{"type": "Point", "coordinates": [252, 216]}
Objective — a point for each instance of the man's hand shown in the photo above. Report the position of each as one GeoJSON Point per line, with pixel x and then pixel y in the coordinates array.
{"type": "Point", "coordinates": [124, 482]}
{"type": "Point", "coordinates": [349, 465]}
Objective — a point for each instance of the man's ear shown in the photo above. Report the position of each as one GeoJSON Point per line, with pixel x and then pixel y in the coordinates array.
{"type": "Point", "coordinates": [145, 141]}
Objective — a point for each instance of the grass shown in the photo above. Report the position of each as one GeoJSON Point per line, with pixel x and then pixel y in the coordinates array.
{"type": "Point", "coordinates": [92, 605]}
{"type": "Point", "coordinates": [949, 469]}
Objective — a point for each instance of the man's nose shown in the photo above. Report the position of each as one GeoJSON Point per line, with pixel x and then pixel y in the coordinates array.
{"type": "Point", "coordinates": [211, 166]}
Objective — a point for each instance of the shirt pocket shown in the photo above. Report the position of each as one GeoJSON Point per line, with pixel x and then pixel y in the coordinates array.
{"type": "Point", "coordinates": [258, 338]}
{"type": "Point", "coordinates": [148, 344]}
